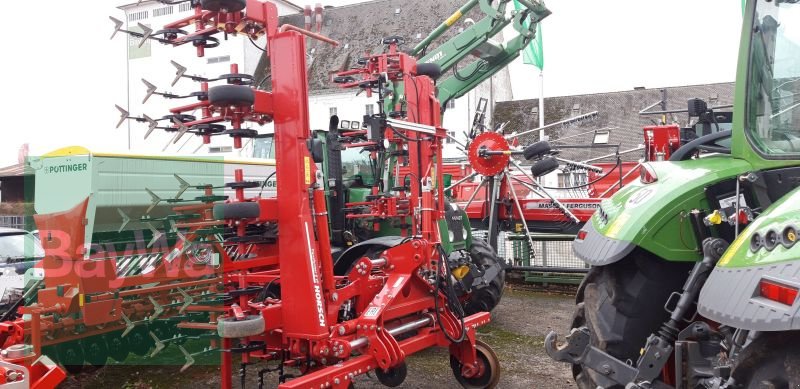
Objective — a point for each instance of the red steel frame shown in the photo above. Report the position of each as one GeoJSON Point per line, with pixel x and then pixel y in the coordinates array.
{"type": "Point", "coordinates": [389, 293]}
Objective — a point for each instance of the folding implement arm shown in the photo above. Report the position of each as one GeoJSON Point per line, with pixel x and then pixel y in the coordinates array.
{"type": "Point", "coordinates": [477, 40]}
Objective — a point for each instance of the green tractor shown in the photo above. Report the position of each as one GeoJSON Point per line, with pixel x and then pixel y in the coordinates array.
{"type": "Point", "coordinates": [654, 244]}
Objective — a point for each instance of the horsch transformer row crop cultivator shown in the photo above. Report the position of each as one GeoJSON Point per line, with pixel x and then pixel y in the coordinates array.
{"type": "Point", "coordinates": [216, 261]}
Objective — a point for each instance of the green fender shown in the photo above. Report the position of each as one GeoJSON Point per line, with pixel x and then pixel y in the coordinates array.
{"type": "Point", "coordinates": [654, 216]}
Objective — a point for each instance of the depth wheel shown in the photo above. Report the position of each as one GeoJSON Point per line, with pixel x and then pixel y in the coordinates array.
{"type": "Point", "coordinates": [70, 354]}
{"type": "Point", "coordinates": [95, 350]}
{"type": "Point", "coordinates": [488, 296]}
{"type": "Point", "coordinates": [490, 366]}
{"type": "Point", "coordinates": [622, 304]}
{"type": "Point", "coordinates": [770, 362]}
{"type": "Point", "coordinates": [218, 5]}
{"type": "Point", "coordinates": [393, 377]}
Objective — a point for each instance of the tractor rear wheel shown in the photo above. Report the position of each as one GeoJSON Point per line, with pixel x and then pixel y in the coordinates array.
{"type": "Point", "coordinates": [770, 361]}
{"type": "Point", "coordinates": [622, 304]}
{"type": "Point", "coordinates": [484, 299]}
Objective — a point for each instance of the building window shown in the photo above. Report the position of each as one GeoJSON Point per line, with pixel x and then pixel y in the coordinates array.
{"type": "Point", "coordinates": [185, 7]}
{"type": "Point", "coordinates": [535, 114]}
{"type": "Point", "coordinates": [333, 111]}
{"type": "Point", "coordinates": [370, 109]}
{"type": "Point", "coordinates": [576, 109]}
{"type": "Point", "coordinates": [162, 11]}
{"type": "Point", "coordinates": [574, 179]}
{"type": "Point", "coordinates": [451, 137]}
{"type": "Point", "coordinates": [141, 15]}
{"type": "Point", "coordinates": [220, 59]}
{"type": "Point", "coordinates": [451, 103]}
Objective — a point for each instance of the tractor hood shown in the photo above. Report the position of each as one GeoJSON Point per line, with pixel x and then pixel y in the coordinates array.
{"type": "Point", "coordinates": [756, 282]}
{"type": "Point", "coordinates": [655, 216]}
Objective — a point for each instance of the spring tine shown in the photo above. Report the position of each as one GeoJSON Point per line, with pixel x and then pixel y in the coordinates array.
{"type": "Point", "coordinates": [189, 359]}
{"type": "Point", "coordinates": [128, 325]}
{"type": "Point", "coordinates": [187, 300]}
{"type": "Point", "coordinates": [159, 345]}
{"type": "Point", "coordinates": [158, 309]}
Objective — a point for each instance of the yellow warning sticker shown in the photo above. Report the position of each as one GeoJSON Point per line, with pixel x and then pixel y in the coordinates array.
{"type": "Point", "coordinates": [308, 170]}
{"type": "Point", "coordinates": [616, 225]}
{"type": "Point", "coordinates": [453, 18]}
{"type": "Point", "coordinates": [80, 299]}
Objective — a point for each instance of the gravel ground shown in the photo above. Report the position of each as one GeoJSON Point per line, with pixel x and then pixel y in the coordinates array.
{"type": "Point", "coordinates": [516, 333]}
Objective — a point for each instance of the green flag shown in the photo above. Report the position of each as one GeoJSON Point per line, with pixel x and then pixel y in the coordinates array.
{"type": "Point", "coordinates": [534, 53]}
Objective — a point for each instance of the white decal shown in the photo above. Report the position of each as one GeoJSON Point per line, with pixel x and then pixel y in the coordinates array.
{"type": "Point", "coordinates": [315, 279]}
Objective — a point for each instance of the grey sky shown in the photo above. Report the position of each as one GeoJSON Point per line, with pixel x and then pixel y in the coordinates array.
{"type": "Point", "coordinates": [62, 76]}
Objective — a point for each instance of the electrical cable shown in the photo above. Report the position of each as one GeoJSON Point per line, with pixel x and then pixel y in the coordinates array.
{"type": "Point", "coordinates": [456, 307]}
{"type": "Point", "coordinates": [254, 44]}
{"type": "Point", "coordinates": [265, 183]}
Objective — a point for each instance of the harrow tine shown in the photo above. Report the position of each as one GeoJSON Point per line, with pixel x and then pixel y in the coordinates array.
{"type": "Point", "coordinates": [150, 90]}
{"type": "Point", "coordinates": [159, 345]}
{"type": "Point", "coordinates": [187, 300]}
{"type": "Point", "coordinates": [158, 309]}
{"type": "Point", "coordinates": [189, 359]}
{"type": "Point", "coordinates": [156, 235]}
{"type": "Point", "coordinates": [184, 185]}
{"type": "Point", "coordinates": [117, 26]}
{"type": "Point", "coordinates": [181, 70]}
{"type": "Point", "coordinates": [182, 129]}
{"type": "Point", "coordinates": [128, 325]}
{"type": "Point", "coordinates": [125, 220]}
{"type": "Point", "coordinates": [152, 124]}
{"type": "Point", "coordinates": [154, 202]}
{"type": "Point", "coordinates": [146, 33]}
{"type": "Point", "coordinates": [123, 115]}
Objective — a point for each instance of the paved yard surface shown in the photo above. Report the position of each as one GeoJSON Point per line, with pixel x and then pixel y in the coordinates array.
{"type": "Point", "coordinates": [516, 334]}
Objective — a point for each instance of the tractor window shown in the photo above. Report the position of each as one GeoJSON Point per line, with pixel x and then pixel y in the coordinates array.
{"type": "Point", "coordinates": [357, 166]}
{"type": "Point", "coordinates": [773, 106]}
{"type": "Point", "coordinates": [264, 147]}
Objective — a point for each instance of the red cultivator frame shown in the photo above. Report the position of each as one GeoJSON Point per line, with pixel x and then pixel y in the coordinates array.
{"type": "Point", "coordinates": [271, 295]}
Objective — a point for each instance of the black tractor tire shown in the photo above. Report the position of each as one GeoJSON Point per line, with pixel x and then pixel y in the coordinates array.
{"type": "Point", "coordinates": [247, 210]}
{"type": "Point", "coordinates": [544, 166]}
{"type": "Point", "coordinates": [770, 361]}
{"type": "Point", "coordinates": [484, 299]}
{"type": "Point", "coordinates": [229, 5]}
{"type": "Point", "coordinates": [622, 304]}
{"type": "Point", "coordinates": [231, 95]}
{"type": "Point", "coordinates": [537, 150]}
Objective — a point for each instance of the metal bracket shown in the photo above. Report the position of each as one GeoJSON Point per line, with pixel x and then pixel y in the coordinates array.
{"type": "Point", "coordinates": [579, 351]}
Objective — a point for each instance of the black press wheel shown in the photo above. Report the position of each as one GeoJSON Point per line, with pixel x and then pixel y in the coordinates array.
{"type": "Point", "coordinates": [490, 366]}
{"type": "Point", "coordinates": [95, 350]}
{"type": "Point", "coordinates": [139, 341]}
{"type": "Point", "coordinates": [226, 5]}
{"type": "Point", "coordinates": [486, 297]}
{"type": "Point", "coordinates": [771, 361]}
{"type": "Point", "coordinates": [117, 346]}
{"type": "Point", "coordinates": [394, 376]}
{"type": "Point", "coordinates": [622, 304]}
{"type": "Point", "coordinates": [231, 95]}
{"type": "Point", "coordinates": [70, 355]}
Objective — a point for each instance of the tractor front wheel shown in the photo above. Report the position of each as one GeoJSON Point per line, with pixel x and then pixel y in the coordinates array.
{"type": "Point", "coordinates": [770, 361]}
{"type": "Point", "coordinates": [484, 297]}
{"type": "Point", "coordinates": [622, 304]}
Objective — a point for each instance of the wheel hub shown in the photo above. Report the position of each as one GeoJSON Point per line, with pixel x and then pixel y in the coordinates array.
{"type": "Point", "coordinates": [488, 165]}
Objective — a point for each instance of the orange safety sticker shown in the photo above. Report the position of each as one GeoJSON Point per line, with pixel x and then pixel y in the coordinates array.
{"type": "Point", "coordinates": [308, 170]}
